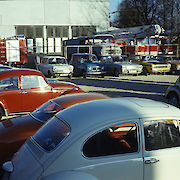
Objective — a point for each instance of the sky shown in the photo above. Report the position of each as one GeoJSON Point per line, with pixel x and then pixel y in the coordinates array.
{"type": "Point", "coordinates": [113, 6]}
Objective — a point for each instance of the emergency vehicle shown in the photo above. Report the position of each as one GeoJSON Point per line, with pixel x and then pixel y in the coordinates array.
{"type": "Point", "coordinates": [13, 50]}
{"type": "Point", "coordinates": [100, 45]}
{"type": "Point", "coordinates": [145, 40]}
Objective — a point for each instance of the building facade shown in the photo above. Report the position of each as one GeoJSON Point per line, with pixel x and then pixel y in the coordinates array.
{"type": "Point", "coordinates": [46, 23]}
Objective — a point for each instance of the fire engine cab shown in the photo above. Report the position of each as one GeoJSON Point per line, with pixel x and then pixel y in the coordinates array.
{"type": "Point", "coordinates": [143, 41]}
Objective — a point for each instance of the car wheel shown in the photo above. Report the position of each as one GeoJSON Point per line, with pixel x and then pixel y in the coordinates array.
{"type": "Point", "coordinates": [173, 99]}
{"type": "Point", "coordinates": [70, 75]}
{"type": "Point", "coordinates": [145, 71]}
{"type": "Point", "coordinates": [84, 74]}
{"type": "Point", "coordinates": [49, 74]}
{"type": "Point", "coordinates": [1, 112]}
{"type": "Point", "coordinates": [116, 73]}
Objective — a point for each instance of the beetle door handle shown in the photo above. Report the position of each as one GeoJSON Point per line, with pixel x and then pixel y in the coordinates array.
{"type": "Point", "coordinates": [24, 92]}
{"type": "Point", "coordinates": [151, 161]}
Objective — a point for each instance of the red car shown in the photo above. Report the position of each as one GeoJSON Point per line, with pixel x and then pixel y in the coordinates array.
{"type": "Point", "coordinates": [23, 90]}
{"type": "Point", "coordinates": [14, 131]}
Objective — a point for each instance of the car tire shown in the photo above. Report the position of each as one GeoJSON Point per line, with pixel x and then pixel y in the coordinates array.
{"type": "Point", "coordinates": [173, 99]}
{"type": "Point", "coordinates": [1, 112]}
{"type": "Point", "coordinates": [70, 75]}
{"type": "Point", "coordinates": [145, 71]}
{"type": "Point", "coordinates": [49, 74]}
{"type": "Point", "coordinates": [116, 73]}
{"type": "Point", "coordinates": [84, 74]}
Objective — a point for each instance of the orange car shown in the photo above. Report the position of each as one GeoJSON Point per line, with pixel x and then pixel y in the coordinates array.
{"type": "Point", "coordinates": [14, 131]}
{"type": "Point", "coordinates": [24, 90]}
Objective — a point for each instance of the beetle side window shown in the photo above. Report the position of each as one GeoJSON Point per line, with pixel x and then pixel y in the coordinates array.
{"type": "Point", "coordinates": [9, 83]}
{"type": "Point", "coordinates": [28, 82]}
{"type": "Point", "coordinates": [114, 140]}
{"type": "Point", "coordinates": [161, 134]}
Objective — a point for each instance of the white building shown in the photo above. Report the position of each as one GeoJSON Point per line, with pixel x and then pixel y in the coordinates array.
{"type": "Point", "coordinates": [46, 23]}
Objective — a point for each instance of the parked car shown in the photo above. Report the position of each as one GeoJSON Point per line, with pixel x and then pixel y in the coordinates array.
{"type": "Point", "coordinates": [172, 93]}
{"type": "Point", "coordinates": [116, 138]}
{"type": "Point", "coordinates": [23, 90]}
{"type": "Point", "coordinates": [153, 66]}
{"type": "Point", "coordinates": [14, 131]}
{"type": "Point", "coordinates": [86, 64]}
{"type": "Point", "coordinates": [115, 65]}
{"type": "Point", "coordinates": [5, 67]}
{"type": "Point", "coordinates": [175, 64]}
{"type": "Point", "coordinates": [55, 66]}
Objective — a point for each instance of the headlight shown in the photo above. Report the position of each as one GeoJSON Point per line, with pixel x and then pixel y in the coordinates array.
{"type": "Point", "coordinates": [89, 67]}
{"type": "Point", "coordinates": [124, 67]}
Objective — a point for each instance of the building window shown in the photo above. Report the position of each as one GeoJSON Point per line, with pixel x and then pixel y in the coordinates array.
{"type": "Point", "coordinates": [83, 30]}
{"type": "Point", "coordinates": [20, 30]}
{"type": "Point", "coordinates": [39, 31]}
{"type": "Point", "coordinates": [29, 33]}
{"type": "Point", "coordinates": [59, 31]}
{"type": "Point", "coordinates": [65, 31]}
{"type": "Point", "coordinates": [50, 31]}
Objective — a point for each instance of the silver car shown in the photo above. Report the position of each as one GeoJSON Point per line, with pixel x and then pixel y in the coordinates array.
{"type": "Point", "coordinates": [52, 66]}
{"type": "Point", "coordinates": [172, 93]}
{"type": "Point", "coordinates": [115, 65]}
{"type": "Point", "coordinates": [117, 138]}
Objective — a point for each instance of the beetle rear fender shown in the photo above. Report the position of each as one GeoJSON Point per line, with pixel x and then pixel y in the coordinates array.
{"type": "Point", "coordinates": [3, 107]}
{"type": "Point", "coordinates": [69, 175]}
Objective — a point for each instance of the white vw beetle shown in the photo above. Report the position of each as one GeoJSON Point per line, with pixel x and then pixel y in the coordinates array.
{"type": "Point", "coordinates": [118, 139]}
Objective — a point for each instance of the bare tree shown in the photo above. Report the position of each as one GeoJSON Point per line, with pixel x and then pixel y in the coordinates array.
{"type": "Point", "coordinates": [145, 12]}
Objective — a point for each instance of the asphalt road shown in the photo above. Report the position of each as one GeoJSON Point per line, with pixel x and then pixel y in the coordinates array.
{"type": "Point", "coordinates": [151, 86]}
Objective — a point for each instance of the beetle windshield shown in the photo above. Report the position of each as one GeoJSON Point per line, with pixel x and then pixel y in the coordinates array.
{"type": "Point", "coordinates": [51, 134]}
{"type": "Point", "coordinates": [46, 111]}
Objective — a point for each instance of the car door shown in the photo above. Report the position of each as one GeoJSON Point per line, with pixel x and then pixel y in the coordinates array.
{"type": "Point", "coordinates": [43, 66]}
{"type": "Point", "coordinates": [114, 153]}
{"type": "Point", "coordinates": [75, 62]}
{"type": "Point", "coordinates": [35, 91]}
{"type": "Point", "coordinates": [10, 94]}
{"type": "Point", "coordinates": [162, 149]}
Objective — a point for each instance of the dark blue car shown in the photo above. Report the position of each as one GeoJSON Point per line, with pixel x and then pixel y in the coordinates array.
{"type": "Point", "coordinates": [86, 64]}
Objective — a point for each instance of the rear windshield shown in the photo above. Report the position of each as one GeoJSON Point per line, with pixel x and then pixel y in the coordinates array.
{"type": "Point", "coordinates": [46, 111]}
{"type": "Point", "coordinates": [51, 134]}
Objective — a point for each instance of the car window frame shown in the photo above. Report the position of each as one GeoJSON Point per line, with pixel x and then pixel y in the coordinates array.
{"type": "Point", "coordinates": [157, 120]}
{"type": "Point", "coordinates": [118, 154]}
{"type": "Point", "coordinates": [10, 85]}
{"type": "Point", "coordinates": [37, 79]}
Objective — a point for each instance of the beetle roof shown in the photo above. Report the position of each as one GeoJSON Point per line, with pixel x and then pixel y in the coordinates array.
{"type": "Point", "coordinates": [102, 112]}
{"type": "Point", "coordinates": [18, 72]}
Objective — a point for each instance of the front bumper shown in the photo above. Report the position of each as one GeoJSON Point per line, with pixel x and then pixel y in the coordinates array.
{"type": "Point", "coordinates": [96, 72]}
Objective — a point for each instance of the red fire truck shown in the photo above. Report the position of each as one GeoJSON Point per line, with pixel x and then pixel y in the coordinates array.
{"type": "Point", "coordinates": [13, 50]}
{"type": "Point", "coordinates": [144, 41]}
